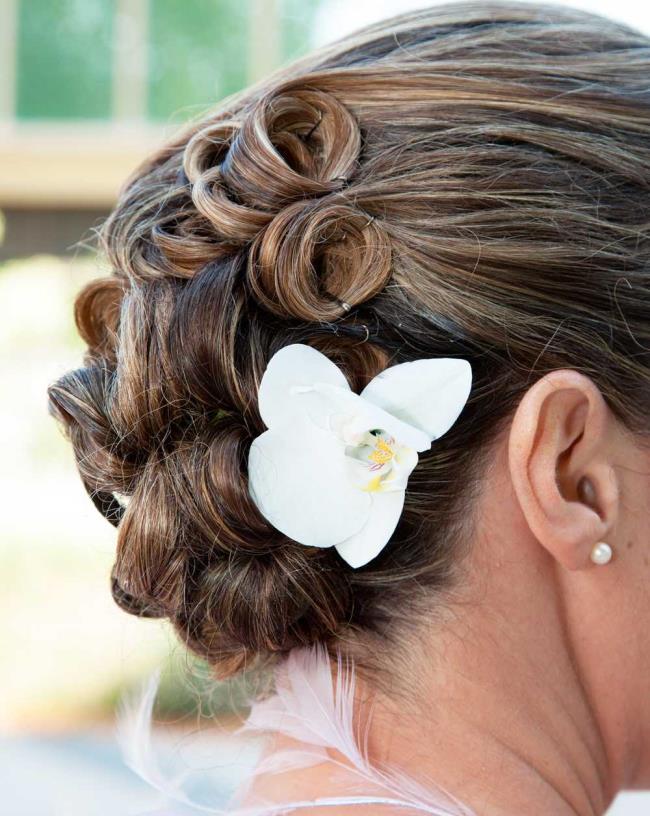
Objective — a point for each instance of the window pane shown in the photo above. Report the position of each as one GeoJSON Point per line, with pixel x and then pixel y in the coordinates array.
{"type": "Point", "coordinates": [298, 18]}
{"type": "Point", "coordinates": [198, 54]}
{"type": "Point", "coordinates": [64, 59]}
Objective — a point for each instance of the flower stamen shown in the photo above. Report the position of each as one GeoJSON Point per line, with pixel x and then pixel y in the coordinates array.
{"type": "Point", "coordinates": [383, 452]}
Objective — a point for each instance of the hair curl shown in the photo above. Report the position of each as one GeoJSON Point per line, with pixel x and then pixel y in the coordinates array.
{"type": "Point", "coordinates": [470, 180]}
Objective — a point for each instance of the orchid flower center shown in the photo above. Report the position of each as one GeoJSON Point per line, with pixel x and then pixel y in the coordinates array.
{"type": "Point", "coordinates": [377, 461]}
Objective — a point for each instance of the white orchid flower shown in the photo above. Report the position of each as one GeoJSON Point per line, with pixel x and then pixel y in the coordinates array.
{"type": "Point", "coordinates": [331, 470]}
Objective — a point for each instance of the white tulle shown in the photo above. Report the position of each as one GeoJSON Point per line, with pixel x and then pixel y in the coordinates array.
{"type": "Point", "coordinates": [314, 706]}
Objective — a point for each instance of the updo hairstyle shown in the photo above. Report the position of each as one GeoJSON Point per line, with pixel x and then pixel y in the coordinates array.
{"type": "Point", "coordinates": [471, 180]}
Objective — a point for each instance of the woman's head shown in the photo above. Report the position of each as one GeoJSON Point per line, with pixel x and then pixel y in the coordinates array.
{"type": "Point", "coordinates": [472, 180]}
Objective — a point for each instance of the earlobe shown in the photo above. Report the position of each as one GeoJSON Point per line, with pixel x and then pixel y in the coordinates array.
{"type": "Point", "coordinates": [558, 452]}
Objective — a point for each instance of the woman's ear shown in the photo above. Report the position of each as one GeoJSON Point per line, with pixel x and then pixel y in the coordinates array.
{"type": "Point", "coordinates": [559, 452]}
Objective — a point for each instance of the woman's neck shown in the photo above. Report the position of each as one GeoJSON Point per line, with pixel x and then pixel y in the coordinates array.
{"type": "Point", "coordinates": [495, 711]}
{"type": "Point", "coordinates": [503, 740]}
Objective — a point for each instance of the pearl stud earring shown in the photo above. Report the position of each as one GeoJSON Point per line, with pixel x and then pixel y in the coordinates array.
{"type": "Point", "coordinates": [601, 553]}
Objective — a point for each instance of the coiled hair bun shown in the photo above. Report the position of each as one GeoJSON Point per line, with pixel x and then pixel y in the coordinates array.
{"type": "Point", "coordinates": [293, 144]}
{"type": "Point", "coordinates": [281, 186]}
{"type": "Point", "coordinates": [316, 259]}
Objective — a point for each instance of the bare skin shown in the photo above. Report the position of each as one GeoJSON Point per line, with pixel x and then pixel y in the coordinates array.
{"type": "Point", "coordinates": [533, 695]}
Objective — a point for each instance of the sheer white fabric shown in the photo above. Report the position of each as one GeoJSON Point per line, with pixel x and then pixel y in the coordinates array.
{"type": "Point", "coordinates": [314, 759]}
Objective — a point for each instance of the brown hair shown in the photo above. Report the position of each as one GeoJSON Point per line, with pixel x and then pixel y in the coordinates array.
{"type": "Point", "coordinates": [472, 180]}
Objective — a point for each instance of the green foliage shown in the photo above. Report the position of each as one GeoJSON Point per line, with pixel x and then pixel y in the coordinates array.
{"type": "Point", "coordinates": [189, 689]}
{"type": "Point", "coordinates": [297, 25]}
{"type": "Point", "coordinates": [197, 54]}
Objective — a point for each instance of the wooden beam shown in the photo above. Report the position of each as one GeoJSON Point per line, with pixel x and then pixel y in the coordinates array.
{"type": "Point", "coordinates": [70, 166]}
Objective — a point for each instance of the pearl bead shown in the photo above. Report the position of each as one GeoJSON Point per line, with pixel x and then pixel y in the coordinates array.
{"type": "Point", "coordinates": [601, 553]}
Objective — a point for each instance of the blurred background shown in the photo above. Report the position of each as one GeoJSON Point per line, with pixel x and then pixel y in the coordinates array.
{"type": "Point", "coordinates": [88, 88]}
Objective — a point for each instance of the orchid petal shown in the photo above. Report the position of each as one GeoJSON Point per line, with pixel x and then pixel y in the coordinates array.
{"type": "Point", "coordinates": [299, 480]}
{"type": "Point", "coordinates": [367, 543]}
{"type": "Point", "coordinates": [429, 394]}
{"type": "Point", "coordinates": [405, 461]}
{"type": "Point", "coordinates": [365, 416]}
{"type": "Point", "coordinates": [290, 370]}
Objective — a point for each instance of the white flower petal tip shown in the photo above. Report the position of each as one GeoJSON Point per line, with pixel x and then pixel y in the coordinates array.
{"type": "Point", "coordinates": [333, 466]}
{"type": "Point", "coordinates": [362, 547]}
{"type": "Point", "coordinates": [429, 393]}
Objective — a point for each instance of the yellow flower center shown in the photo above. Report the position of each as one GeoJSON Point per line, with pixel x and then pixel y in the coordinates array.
{"type": "Point", "coordinates": [379, 456]}
{"type": "Point", "coordinates": [382, 453]}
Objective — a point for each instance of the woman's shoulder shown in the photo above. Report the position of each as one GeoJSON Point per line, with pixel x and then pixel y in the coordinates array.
{"type": "Point", "coordinates": [329, 786]}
